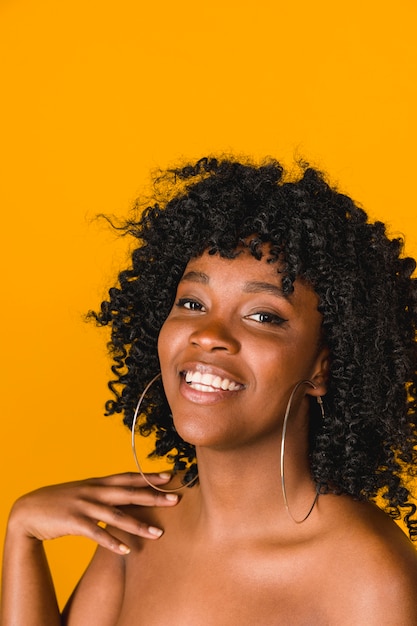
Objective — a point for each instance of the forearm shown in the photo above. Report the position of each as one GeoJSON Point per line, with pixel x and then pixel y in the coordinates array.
{"type": "Point", "coordinates": [28, 595]}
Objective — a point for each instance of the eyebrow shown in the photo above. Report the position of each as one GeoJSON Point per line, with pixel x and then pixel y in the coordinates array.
{"type": "Point", "coordinates": [196, 277]}
{"type": "Point", "coordinates": [261, 287]}
{"type": "Point", "coordinates": [249, 287]}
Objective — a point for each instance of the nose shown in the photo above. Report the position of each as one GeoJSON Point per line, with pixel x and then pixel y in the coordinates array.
{"type": "Point", "coordinates": [214, 336]}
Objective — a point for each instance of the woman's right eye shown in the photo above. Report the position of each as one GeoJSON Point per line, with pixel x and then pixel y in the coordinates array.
{"type": "Point", "coordinates": [188, 303]}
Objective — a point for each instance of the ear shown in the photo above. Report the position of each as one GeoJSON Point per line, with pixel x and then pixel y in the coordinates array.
{"type": "Point", "coordinates": [320, 377]}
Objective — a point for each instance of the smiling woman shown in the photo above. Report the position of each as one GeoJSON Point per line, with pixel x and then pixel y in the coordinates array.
{"type": "Point", "coordinates": [277, 326]}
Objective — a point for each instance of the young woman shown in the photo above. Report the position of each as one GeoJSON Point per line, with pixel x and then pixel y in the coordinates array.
{"type": "Point", "coordinates": [276, 326]}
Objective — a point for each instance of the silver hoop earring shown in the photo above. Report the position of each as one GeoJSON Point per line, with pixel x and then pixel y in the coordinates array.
{"type": "Point", "coordinates": [284, 432]}
{"type": "Point", "coordinates": [135, 456]}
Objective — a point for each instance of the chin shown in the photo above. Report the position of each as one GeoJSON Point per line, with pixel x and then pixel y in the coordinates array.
{"type": "Point", "coordinates": [198, 432]}
{"type": "Point", "coordinates": [196, 436]}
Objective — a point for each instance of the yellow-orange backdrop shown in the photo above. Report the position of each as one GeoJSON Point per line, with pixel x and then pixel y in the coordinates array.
{"type": "Point", "coordinates": [97, 93]}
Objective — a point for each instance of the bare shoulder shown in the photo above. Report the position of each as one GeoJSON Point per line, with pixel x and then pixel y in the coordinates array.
{"type": "Point", "coordinates": [376, 572]}
{"type": "Point", "coordinates": [98, 596]}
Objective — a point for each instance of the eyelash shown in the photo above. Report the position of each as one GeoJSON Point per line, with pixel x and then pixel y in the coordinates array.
{"type": "Point", "coordinates": [274, 320]}
{"type": "Point", "coordinates": [194, 305]}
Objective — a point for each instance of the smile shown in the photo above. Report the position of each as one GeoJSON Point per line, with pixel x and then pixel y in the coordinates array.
{"type": "Point", "coordinates": [210, 383]}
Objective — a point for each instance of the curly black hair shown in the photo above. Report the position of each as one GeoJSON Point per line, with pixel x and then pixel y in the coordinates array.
{"type": "Point", "coordinates": [366, 446]}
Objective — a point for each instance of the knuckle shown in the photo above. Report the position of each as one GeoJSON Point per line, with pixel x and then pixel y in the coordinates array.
{"type": "Point", "coordinates": [117, 513]}
{"type": "Point", "coordinates": [141, 527]}
{"type": "Point", "coordinates": [97, 530]}
{"type": "Point", "coordinates": [99, 534]}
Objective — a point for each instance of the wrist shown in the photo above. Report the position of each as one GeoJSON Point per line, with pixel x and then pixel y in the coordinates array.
{"type": "Point", "coordinates": [17, 528]}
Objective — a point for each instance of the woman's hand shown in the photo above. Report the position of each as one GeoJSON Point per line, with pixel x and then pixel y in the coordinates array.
{"type": "Point", "coordinates": [76, 508]}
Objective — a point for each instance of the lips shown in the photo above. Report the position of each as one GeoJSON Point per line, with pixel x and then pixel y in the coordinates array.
{"type": "Point", "coordinates": [210, 383]}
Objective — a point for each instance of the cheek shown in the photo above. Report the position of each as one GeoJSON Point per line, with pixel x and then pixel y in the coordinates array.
{"type": "Point", "coordinates": [168, 342]}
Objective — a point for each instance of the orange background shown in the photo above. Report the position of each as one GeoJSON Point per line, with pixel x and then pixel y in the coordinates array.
{"type": "Point", "coordinates": [95, 94]}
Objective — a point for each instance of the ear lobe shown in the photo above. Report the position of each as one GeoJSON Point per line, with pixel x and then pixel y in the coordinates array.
{"type": "Point", "coordinates": [321, 376]}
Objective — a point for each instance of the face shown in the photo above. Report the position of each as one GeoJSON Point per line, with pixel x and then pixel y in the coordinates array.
{"type": "Point", "coordinates": [233, 347]}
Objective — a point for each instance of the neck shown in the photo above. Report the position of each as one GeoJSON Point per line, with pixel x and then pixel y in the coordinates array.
{"type": "Point", "coordinates": [238, 489]}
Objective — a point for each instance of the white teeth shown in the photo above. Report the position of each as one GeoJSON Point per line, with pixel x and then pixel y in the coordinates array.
{"type": "Point", "coordinates": [209, 382]}
{"type": "Point", "coordinates": [193, 377]}
{"type": "Point", "coordinates": [217, 382]}
{"type": "Point", "coordinates": [205, 388]}
{"type": "Point", "coordinates": [206, 379]}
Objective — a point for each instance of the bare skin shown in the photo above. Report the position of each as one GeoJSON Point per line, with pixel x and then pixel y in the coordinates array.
{"type": "Point", "coordinates": [69, 509]}
{"type": "Point", "coordinates": [355, 568]}
{"type": "Point", "coordinates": [229, 554]}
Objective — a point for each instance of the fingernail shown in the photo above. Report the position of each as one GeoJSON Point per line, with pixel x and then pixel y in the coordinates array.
{"type": "Point", "coordinates": [164, 475]}
{"type": "Point", "coordinates": [171, 496]}
{"type": "Point", "coordinates": [157, 532]}
{"type": "Point", "coordinates": [123, 548]}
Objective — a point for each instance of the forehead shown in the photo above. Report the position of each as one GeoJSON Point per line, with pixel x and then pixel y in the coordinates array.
{"type": "Point", "coordinates": [248, 274]}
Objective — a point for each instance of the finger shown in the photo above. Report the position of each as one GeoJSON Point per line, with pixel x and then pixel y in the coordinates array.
{"type": "Point", "coordinates": [120, 520]}
{"type": "Point", "coordinates": [134, 479]}
{"type": "Point", "coordinates": [124, 496]}
{"type": "Point", "coordinates": [102, 537]}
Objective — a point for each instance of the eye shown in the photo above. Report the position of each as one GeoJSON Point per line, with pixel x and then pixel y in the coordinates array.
{"type": "Point", "coordinates": [262, 317]}
{"type": "Point", "coordinates": [189, 304]}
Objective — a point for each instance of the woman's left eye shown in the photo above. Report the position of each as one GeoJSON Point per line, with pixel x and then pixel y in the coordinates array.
{"type": "Point", "coordinates": [266, 318]}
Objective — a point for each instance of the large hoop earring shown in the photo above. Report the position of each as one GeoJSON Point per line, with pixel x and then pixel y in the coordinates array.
{"type": "Point", "coordinates": [284, 432]}
{"type": "Point", "coordinates": [135, 456]}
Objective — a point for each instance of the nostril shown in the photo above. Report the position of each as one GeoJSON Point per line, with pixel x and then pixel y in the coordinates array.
{"type": "Point", "coordinates": [214, 337]}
